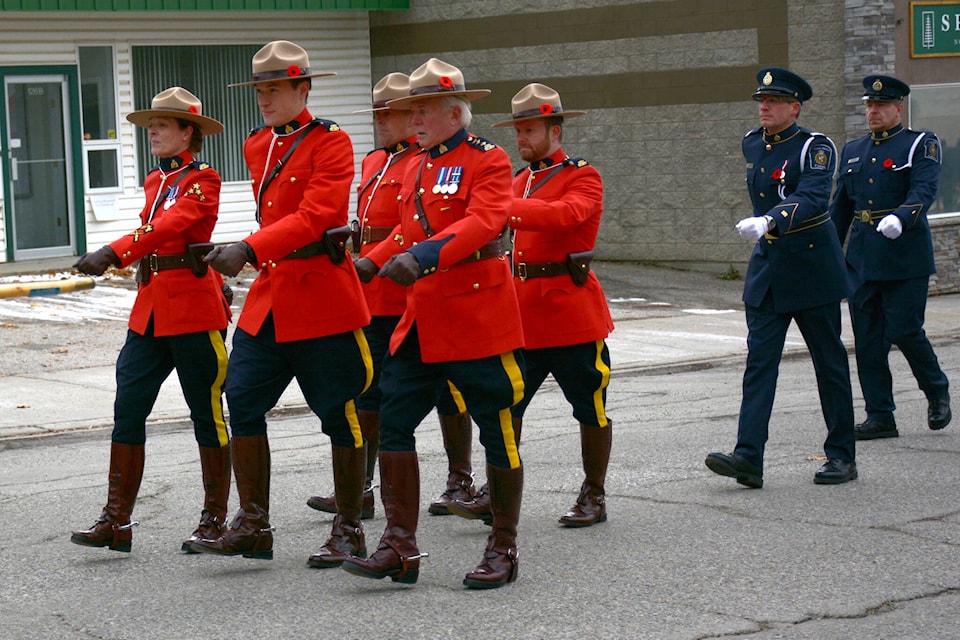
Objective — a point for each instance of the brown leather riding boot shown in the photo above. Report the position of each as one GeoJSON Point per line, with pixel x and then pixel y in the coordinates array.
{"type": "Point", "coordinates": [591, 506]}
{"type": "Point", "coordinates": [457, 440]}
{"type": "Point", "coordinates": [370, 428]}
{"type": "Point", "coordinates": [397, 556]}
{"type": "Point", "coordinates": [114, 529]}
{"type": "Point", "coordinates": [346, 536]}
{"type": "Point", "coordinates": [479, 507]}
{"type": "Point", "coordinates": [215, 469]}
{"type": "Point", "coordinates": [250, 533]}
{"type": "Point", "coordinates": [499, 565]}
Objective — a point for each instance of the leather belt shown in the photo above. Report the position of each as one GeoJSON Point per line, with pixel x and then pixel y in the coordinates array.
{"type": "Point", "coordinates": [524, 270]}
{"type": "Point", "coordinates": [153, 264]}
{"type": "Point", "coordinates": [308, 251]}
{"type": "Point", "coordinates": [493, 249]}
{"type": "Point", "coordinates": [374, 234]}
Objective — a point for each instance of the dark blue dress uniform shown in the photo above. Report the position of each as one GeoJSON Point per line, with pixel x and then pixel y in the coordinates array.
{"type": "Point", "coordinates": [796, 272]}
{"type": "Point", "coordinates": [890, 173]}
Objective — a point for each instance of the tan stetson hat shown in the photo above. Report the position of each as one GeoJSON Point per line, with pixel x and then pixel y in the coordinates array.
{"type": "Point", "coordinates": [435, 78]}
{"type": "Point", "coordinates": [281, 60]}
{"type": "Point", "coordinates": [536, 101]}
{"type": "Point", "coordinates": [390, 87]}
{"type": "Point", "coordinates": [176, 102]}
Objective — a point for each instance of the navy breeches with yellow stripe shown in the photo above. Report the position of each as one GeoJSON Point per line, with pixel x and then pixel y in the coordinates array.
{"type": "Point", "coordinates": [582, 372]}
{"type": "Point", "coordinates": [449, 400]}
{"type": "Point", "coordinates": [489, 386]}
{"type": "Point", "coordinates": [144, 364]}
{"type": "Point", "coordinates": [331, 371]}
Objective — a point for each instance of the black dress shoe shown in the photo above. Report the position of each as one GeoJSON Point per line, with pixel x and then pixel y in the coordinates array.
{"type": "Point", "coordinates": [938, 411]}
{"type": "Point", "coordinates": [836, 471]}
{"type": "Point", "coordinates": [871, 430]}
{"type": "Point", "coordinates": [735, 466]}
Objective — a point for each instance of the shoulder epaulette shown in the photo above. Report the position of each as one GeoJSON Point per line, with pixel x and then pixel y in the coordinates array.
{"type": "Point", "coordinates": [576, 162]}
{"type": "Point", "coordinates": [752, 132]}
{"type": "Point", "coordinates": [329, 125]}
{"type": "Point", "coordinates": [480, 143]}
{"type": "Point", "coordinates": [256, 129]}
{"type": "Point", "coordinates": [520, 170]}
{"type": "Point", "coordinates": [200, 166]}
{"type": "Point", "coordinates": [373, 151]}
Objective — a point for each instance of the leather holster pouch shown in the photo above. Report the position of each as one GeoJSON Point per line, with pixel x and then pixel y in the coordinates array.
{"type": "Point", "coordinates": [579, 266]}
{"type": "Point", "coordinates": [335, 242]}
{"type": "Point", "coordinates": [355, 236]}
{"type": "Point", "coordinates": [195, 255]}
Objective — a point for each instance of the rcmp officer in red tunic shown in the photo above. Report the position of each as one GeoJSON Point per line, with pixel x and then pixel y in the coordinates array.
{"type": "Point", "coordinates": [178, 321]}
{"type": "Point", "coordinates": [796, 274]}
{"type": "Point", "coordinates": [304, 314]}
{"type": "Point", "coordinates": [461, 322]}
{"type": "Point", "coordinates": [377, 214]}
{"type": "Point", "coordinates": [888, 180]}
{"type": "Point", "coordinates": [557, 206]}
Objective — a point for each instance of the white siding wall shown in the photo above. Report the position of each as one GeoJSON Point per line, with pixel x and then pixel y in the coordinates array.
{"type": "Point", "coordinates": [335, 41]}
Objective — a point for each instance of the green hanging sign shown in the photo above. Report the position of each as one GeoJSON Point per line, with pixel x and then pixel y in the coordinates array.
{"type": "Point", "coordinates": [934, 29]}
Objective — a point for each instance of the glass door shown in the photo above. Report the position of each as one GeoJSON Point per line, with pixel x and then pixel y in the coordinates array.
{"type": "Point", "coordinates": [40, 166]}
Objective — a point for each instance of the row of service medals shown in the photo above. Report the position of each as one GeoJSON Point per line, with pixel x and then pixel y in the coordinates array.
{"type": "Point", "coordinates": [448, 180]}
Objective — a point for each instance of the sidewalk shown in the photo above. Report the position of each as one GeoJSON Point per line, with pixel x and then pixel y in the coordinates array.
{"type": "Point", "coordinates": [653, 335]}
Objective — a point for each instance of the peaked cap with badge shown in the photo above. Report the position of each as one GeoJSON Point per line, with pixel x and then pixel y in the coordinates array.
{"type": "Point", "coordinates": [435, 79]}
{"type": "Point", "coordinates": [884, 89]}
{"type": "Point", "coordinates": [176, 102]}
{"type": "Point", "coordinates": [281, 60]}
{"type": "Point", "coordinates": [391, 87]}
{"type": "Point", "coordinates": [775, 81]}
{"type": "Point", "coordinates": [536, 101]}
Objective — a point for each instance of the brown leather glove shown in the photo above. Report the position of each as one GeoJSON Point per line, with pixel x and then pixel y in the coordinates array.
{"type": "Point", "coordinates": [94, 263]}
{"type": "Point", "coordinates": [402, 268]}
{"type": "Point", "coordinates": [366, 269]}
{"type": "Point", "coordinates": [229, 259]}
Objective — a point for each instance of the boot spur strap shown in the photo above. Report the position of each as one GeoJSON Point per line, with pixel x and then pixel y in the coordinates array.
{"type": "Point", "coordinates": [126, 527]}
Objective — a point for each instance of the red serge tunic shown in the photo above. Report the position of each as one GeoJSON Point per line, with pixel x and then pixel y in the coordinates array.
{"type": "Point", "coordinates": [377, 206]}
{"type": "Point", "coordinates": [185, 214]}
{"type": "Point", "coordinates": [463, 311]}
{"type": "Point", "coordinates": [559, 216]}
{"type": "Point", "coordinates": [309, 297]}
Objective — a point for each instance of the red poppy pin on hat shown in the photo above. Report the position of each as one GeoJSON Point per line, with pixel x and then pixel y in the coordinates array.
{"type": "Point", "coordinates": [536, 101]}
{"type": "Point", "coordinates": [436, 78]}
{"type": "Point", "coordinates": [281, 60]}
{"type": "Point", "coordinates": [176, 102]}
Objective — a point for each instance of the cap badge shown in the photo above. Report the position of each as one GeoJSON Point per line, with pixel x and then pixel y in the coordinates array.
{"type": "Point", "coordinates": [768, 79]}
{"type": "Point", "coordinates": [877, 85]}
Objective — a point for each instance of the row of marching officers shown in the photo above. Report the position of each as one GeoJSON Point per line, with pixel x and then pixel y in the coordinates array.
{"type": "Point", "coordinates": [433, 313]}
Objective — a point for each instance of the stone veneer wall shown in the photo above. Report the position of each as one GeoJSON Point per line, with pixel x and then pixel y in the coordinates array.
{"type": "Point", "coordinates": [667, 84]}
{"type": "Point", "coordinates": [668, 88]}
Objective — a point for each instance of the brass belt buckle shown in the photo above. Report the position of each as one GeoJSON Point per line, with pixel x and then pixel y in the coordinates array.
{"type": "Point", "coordinates": [864, 216]}
{"type": "Point", "coordinates": [154, 263]}
{"type": "Point", "coordinates": [522, 271]}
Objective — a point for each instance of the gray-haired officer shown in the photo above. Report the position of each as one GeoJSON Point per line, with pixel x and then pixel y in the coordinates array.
{"type": "Point", "coordinates": [796, 273]}
{"type": "Point", "coordinates": [888, 180]}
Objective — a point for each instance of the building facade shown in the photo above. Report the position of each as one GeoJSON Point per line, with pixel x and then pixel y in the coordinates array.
{"type": "Point", "coordinates": [668, 87]}
{"type": "Point", "coordinates": [667, 84]}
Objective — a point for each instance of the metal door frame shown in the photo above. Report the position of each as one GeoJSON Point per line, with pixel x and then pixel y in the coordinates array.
{"type": "Point", "coordinates": [72, 150]}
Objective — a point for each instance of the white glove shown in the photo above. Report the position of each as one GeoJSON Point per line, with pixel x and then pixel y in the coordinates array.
{"type": "Point", "coordinates": [752, 229]}
{"type": "Point", "coordinates": [890, 227]}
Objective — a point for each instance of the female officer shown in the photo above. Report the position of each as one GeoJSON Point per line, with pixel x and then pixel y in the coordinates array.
{"type": "Point", "coordinates": [178, 321]}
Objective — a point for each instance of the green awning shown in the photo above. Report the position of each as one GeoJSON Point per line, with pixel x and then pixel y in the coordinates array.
{"type": "Point", "coordinates": [203, 5]}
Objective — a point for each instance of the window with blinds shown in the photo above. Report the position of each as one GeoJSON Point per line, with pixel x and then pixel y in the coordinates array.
{"type": "Point", "coordinates": [205, 71]}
